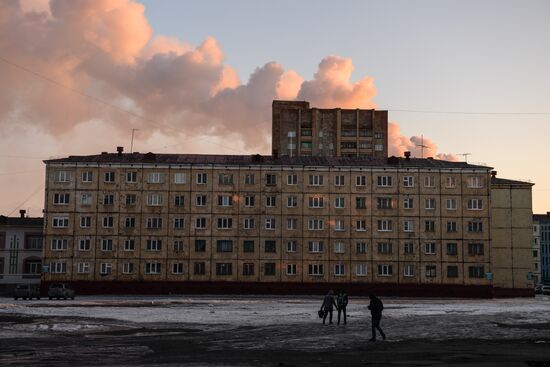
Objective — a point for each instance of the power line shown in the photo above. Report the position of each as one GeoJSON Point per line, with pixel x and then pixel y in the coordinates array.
{"type": "Point", "coordinates": [27, 199]}
{"type": "Point", "coordinates": [469, 112]}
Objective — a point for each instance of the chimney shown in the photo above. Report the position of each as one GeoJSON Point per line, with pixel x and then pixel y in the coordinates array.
{"type": "Point", "coordinates": [120, 150]}
{"type": "Point", "coordinates": [408, 156]}
{"type": "Point", "coordinates": [493, 174]}
{"type": "Point", "coordinates": [22, 213]}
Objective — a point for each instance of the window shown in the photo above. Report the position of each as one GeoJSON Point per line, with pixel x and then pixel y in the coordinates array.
{"type": "Point", "coordinates": [178, 246]}
{"type": "Point", "coordinates": [429, 226]}
{"type": "Point", "coordinates": [408, 248]}
{"type": "Point", "coordinates": [291, 246]}
{"type": "Point", "coordinates": [431, 271]}
{"type": "Point", "coordinates": [179, 223]}
{"type": "Point", "coordinates": [361, 270]}
{"type": "Point", "coordinates": [384, 203]}
{"type": "Point", "coordinates": [378, 147]}
{"type": "Point", "coordinates": [475, 249]}
{"type": "Point", "coordinates": [225, 200]}
{"type": "Point", "coordinates": [269, 269]}
{"type": "Point", "coordinates": [360, 180]}
{"type": "Point", "coordinates": [131, 199]}
{"type": "Point", "coordinates": [384, 225]}
{"type": "Point", "coordinates": [58, 267]}
{"type": "Point", "coordinates": [225, 179]}
{"type": "Point", "coordinates": [270, 179]}
{"type": "Point", "coordinates": [152, 268]}
{"type": "Point", "coordinates": [385, 248]}
{"type": "Point", "coordinates": [154, 199]}
{"type": "Point", "coordinates": [248, 246]}
{"type": "Point", "coordinates": [179, 178]}
{"type": "Point", "coordinates": [269, 223]}
{"type": "Point", "coordinates": [61, 199]}
{"type": "Point", "coordinates": [62, 176]}
{"type": "Point", "coordinates": [361, 225]}
{"type": "Point", "coordinates": [291, 224]}
{"type": "Point", "coordinates": [361, 247]}
{"type": "Point", "coordinates": [408, 203]}
{"type": "Point", "coordinates": [130, 222]}
{"type": "Point", "coordinates": [452, 271]}
{"type": "Point", "coordinates": [84, 244]}
{"type": "Point", "coordinates": [249, 201]}
{"type": "Point", "coordinates": [291, 269]}
{"type": "Point", "coordinates": [270, 246]}
{"type": "Point", "coordinates": [292, 201]}
{"type": "Point", "coordinates": [105, 268]}
{"type": "Point", "coordinates": [85, 222]}
{"type": "Point", "coordinates": [59, 244]}
{"type": "Point", "coordinates": [385, 270]}
{"type": "Point", "coordinates": [339, 225]}
{"type": "Point", "coordinates": [129, 245]}
{"type": "Point", "coordinates": [450, 204]}
{"type": "Point", "coordinates": [429, 204]}
{"type": "Point", "coordinates": [108, 199]}
{"type": "Point", "coordinates": [384, 181]}
{"type": "Point", "coordinates": [451, 226]}
{"type": "Point", "coordinates": [316, 224]}
{"type": "Point", "coordinates": [109, 177]}
{"type": "Point", "coordinates": [83, 268]}
{"type": "Point", "coordinates": [315, 246]}
{"type": "Point", "coordinates": [200, 245]}
{"type": "Point", "coordinates": [476, 271]}
{"type": "Point", "coordinates": [339, 180]}
{"type": "Point", "coordinates": [200, 223]}
{"type": "Point", "coordinates": [154, 223]}
{"type": "Point", "coordinates": [408, 226]}
{"type": "Point", "coordinates": [131, 177]}
{"type": "Point", "coordinates": [452, 249]}
{"type": "Point", "coordinates": [202, 178]}
{"type": "Point", "coordinates": [154, 245]}
{"type": "Point", "coordinates": [86, 199]}
{"type": "Point", "coordinates": [177, 268]}
{"type": "Point", "coordinates": [224, 246]}
{"type": "Point", "coordinates": [408, 270]}
{"type": "Point", "coordinates": [60, 222]}
{"type": "Point", "coordinates": [429, 248]}
{"type": "Point", "coordinates": [316, 180]}
{"type": "Point", "coordinates": [248, 269]}
{"type": "Point", "coordinates": [315, 269]}
{"type": "Point", "coordinates": [292, 179]}
{"type": "Point", "coordinates": [87, 176]}
{"type": "Point", "coordinates": [429, 181]}
{"type": "Point", "coordinates": [179, 200]}
{"type": "Point", "coordinates": [249, 223]}
{"type": "Point", "coordinates": [316, 202]}
{"type": "Point", "coordinates": [361, 202]}
{"type": "Point", "coordinates": [475, 204]}
{"type": "Point", "coordinates": [475, 226]}
{"type": "Point", "coordinates": [225, 223]}
{"type": "Point", "coordinates": [475, 182]}
{"type": "Point", "coordinates": [339, 248]}
{"type": "Point", "coordinates": [200, 200]}
{"type": "Point", "coordinates": [156, 177]}
{"type": "Point", "coordinates": [339, 202]}
{"type": "Point", "coordinates": [408, 181]}
{"type": "Point", "coordinates": [199, 268]}
{"type": "Point", "coordinates": [106, 244]}
{"type": "Point", "coordinates": [271, 201]}
{"type": "Point", "coordinates": [249, 179]}
{"type": "Point", "coordinates": [450, 182]}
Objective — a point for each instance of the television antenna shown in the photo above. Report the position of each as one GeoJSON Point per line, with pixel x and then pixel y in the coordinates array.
{"type": "Point", "coordinates": [465, 155]}
{"type": "Point", "coordinates": [132, 143]}
{"type": "Point", "coordinates": [422, 146]}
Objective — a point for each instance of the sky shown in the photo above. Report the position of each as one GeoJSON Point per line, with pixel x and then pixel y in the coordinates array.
{"type": "Point", "coordinates": [78, 76]}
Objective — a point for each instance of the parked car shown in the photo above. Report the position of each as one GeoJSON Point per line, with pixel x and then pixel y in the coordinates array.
{"type": "Point", "coordinates": [60, 290]}
{"type": "Point", "coordinates": [538, 289]}
{"type": "Point", "coordinates": [546, 289]}
{"type": "Point", "coordinates": [25, 291]}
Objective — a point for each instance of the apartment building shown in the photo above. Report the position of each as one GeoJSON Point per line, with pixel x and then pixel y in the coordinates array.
{"type": "Point", "coordinates": [541, 224]}
{"type": "Point", "coordinates": [174, 222]}
{"type": "Point", "coordinates": [298, 130]}
{"type": "Point", "coordinates": [537, 248]}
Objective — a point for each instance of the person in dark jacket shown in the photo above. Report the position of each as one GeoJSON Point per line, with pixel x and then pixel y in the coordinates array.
{"type": "Point", "coordinates": [341, 304]}
{"type": "Point", "coordinates": [327, 306]}
{"type": "Point", "coordinates": [376, 308]}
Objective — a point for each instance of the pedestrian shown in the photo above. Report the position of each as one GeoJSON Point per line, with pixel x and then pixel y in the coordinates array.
{"type": "Point", "coordinates": [327, 306]}
{"type": "Point", "coordinates": [341, 304]}
{"type": "Point", "coordinates": [376, 308]}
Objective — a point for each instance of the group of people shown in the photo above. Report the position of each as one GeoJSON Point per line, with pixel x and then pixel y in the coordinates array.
{"type": "Point", "coordinates": [340, 302]}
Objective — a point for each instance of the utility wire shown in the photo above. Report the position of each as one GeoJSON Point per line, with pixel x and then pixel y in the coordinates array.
{"type": "Point", "coordinates": [470, 112]}
{"type": "Point", "coordinates": [27, 199]}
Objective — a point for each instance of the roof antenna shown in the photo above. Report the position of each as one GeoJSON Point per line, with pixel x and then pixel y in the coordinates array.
{"type": "Point", "coordinates": [465, 155]}
{"type": "Point", "coordinates": [422, 146]}
{"type": "Point", "coordinates": [132, 143]}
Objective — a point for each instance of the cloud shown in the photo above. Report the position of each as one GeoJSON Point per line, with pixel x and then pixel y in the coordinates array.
{"type": "Point", "coordinates": [399, 143]}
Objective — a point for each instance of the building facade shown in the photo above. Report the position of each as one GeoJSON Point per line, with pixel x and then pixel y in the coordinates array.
{"type": "Point", "coordinates": [541, 222]}
{"type": "Point", "coordinates": [20, 250]}
{"type": "Point", "coordinates": [261, 223]}
{"type": "Point", "coordinates": [537, 275]}
{"type": "Point", "coordinates": [298, 130]}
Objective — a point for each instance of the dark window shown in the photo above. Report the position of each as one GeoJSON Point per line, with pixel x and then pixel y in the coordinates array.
{"type": "Point", "coordinates": [179, 200]}
{"type": "Point", "coordinates": [452, 271]}
{"type": "Point", "coordinates": [200, 245]}
{"type": "Point", "coordinates": [248, 246]}
{"type": "Point", "coordinates": [248, 269]}
{"type": "Point", "coordinates": [270, 246]}
{"type": "Point", "coordinates": [475, 249]}
{"type": "Point", "coordinates": [269, 269]}
{"type": "Point", "coordinates": [452, 249]}
{"type": "Point", "coordinates": [429, 226]}
{"type": "Point", "coordinates": [475, 226]}
{"type": "Point", "coordinates": [451, 227]}
{"type": "Point", "coordinates": [361, 203]}
{"type": "Point", "coordinates": [224, 246]}
{"type": "Point", "coordinates": [271, 180]}
{"type": "Point", "coordinates": [476, 271]}
{"type": "Point", "coordinates": [224, 269]}
{"type": "Point", "coordinates": [199, 268]}
{"type": "Point", "coordinates": [431, 271]}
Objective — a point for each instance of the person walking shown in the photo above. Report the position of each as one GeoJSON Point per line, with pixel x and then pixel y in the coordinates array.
{"type": "Point", "coordinates": [376, 308]}
{"type": "Point", "coordinates": [341, 304]}
{"type": "Point", "coordinates": [327, 306]}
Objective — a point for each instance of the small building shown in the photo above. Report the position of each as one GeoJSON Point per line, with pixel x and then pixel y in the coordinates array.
{"type": "Point", "coordinates": [20, 250]}
{"type": "Point", "coordinates": [541, 225]}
